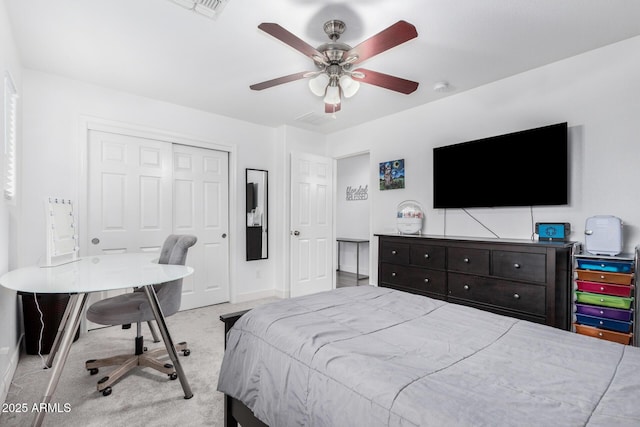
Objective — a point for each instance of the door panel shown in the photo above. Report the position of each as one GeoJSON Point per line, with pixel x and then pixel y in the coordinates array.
{"type": "Point", "coordinates": [201, 182]}
{"type": "Point", "coordinates": [311, 224]}
{"type": "Point", "coordinates": [141, 190]}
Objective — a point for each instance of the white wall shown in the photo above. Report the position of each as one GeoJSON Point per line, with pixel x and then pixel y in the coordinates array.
{"type": "Point", "coordinates": [9, 310]}
{"type": "Point", "coordinates": [54, 109]}
{"type": "Point", "coordinates": [352, 216]}
{"type": "Point", "coordinates": [596, 93]}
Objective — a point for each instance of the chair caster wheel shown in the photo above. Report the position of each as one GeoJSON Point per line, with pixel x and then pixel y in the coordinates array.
{"type": "Point", "coordinates": [173, 376]}
{"type": "Point", "coordinates": [186, 352]}
{"type": "Point", "coordinates": [93, 371]}
{"type": "Point", "coordinates": [106, 391]}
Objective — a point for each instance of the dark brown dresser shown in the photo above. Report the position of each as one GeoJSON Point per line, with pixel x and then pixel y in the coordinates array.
{"type": "Point", "coordinates": [518, 278]}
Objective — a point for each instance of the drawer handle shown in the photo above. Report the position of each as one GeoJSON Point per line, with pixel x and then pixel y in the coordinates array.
{"type": "Point", "coordinates": [426, 280]}
{"type": "Point", "coordinates": [601, 299]}
{"type": "Point", "coordinates": [602, 288]}
{"type": "Point", "coordinates": [466, 260]}
{"type": "Point", "coordinates": [516, 296]}
{"type": "Point", "coordinates": [602, 276]}
{"type": "Point", "coordinates": [394, 252]}
{"type": "Point", "coordinates": [601, 322]}
{"type": "Point", "coordinates": [426, 256]}
{"type": "Point", "coordinates": [516, 265]}
{"type": "Point", "coordinates": [393, 274]}
{"type": "Point", "coordinates": [599, 334]}
{"type": "Point", "coordinates": [466, 287]}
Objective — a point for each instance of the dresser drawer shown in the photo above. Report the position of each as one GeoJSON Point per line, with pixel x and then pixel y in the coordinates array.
{"type": "Point", "coordinates": [601, 276]}
{"type": "Point", "coordinates": [468, 260]}
{"type": "Point", "coordinates": [414, 278]}
{"type": "Point", "coordinates": [618, 337]}
{"type": "Point", "coordinates": [427, 256]}
{"type": "Point", "coordinates": [523, 297]}
{"type": "Point", "coordinates": [603, 300]}
{"type": "Point", "coordinates": [397, 253]}
{"type": "Point", "coordinates": [605, 265]}
{"type": "Point", "coordinates": [611, 313]}
{"type": "Point", "coordinates": [519, 266]}
{"type": "Point", "coordinates": [604, 323]}
{"type": "Point", "coordinates": [604, 288]}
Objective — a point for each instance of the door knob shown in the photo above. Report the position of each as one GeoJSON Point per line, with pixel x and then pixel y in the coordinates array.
{"type": "Point", "coordinates": [296, 233]}
{"type": "Point", "coordinates": [95, 240]}
{"type": "Point", "coordinates": [224, 235]}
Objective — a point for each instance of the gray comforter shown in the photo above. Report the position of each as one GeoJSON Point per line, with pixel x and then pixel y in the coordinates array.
{"type": "Point", "coordinates": [368, 356]}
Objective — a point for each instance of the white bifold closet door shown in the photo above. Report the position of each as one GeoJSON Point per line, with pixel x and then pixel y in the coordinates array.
{"type": "Point", "coordinates": [141, 190]}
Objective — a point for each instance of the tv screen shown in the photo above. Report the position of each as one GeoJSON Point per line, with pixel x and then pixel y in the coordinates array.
{"type": "Point", "coordinates": [526, 168]}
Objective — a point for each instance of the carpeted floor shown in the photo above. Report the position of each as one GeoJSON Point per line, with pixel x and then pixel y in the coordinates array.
{"type": "Point", "coordinates": [144, 397]}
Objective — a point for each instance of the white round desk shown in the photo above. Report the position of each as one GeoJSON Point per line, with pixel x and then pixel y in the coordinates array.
{"type": "Point", "coordinates": [94, 274]}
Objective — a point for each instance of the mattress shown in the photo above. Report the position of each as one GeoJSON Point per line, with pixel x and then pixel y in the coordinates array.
{"type": "Point", "coordinates": [369, 356]}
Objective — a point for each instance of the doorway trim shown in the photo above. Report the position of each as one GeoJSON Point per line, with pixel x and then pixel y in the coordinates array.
{"type": "Point", "coordinates": [89, 123]}
{"type": "Point", "coordinates": [373, 244]}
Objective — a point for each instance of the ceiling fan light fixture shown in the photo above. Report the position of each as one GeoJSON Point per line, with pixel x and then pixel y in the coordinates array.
{"type": "Point", "coordinates": [349, 86]}
{"type": "Point", "coordinates": [318, 84]}
{"type": "Point", "coordinates": [333, 95]}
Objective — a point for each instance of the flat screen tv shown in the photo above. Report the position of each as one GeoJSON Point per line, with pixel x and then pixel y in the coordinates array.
{"type": "Point", "coordinates": [526, 168]}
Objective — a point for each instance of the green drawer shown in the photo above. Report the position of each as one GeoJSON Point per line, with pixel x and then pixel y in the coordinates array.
{"type": "Point", "coordinates": [604, 300]}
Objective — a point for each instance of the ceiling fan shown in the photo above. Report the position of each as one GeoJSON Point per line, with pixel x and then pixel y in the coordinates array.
{"type": "Point", "coordinates": [335, 76]}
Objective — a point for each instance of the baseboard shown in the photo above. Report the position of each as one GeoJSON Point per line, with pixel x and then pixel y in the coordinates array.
{"type": "Point", "coordinates": [251, 296]}
{"type": "Point", "coordinates": [7, 376]}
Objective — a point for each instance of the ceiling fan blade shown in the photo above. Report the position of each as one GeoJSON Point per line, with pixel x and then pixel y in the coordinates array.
{"type": "Point", "coordinates": [385, 80]}
{"type": "Point", "coordinates": [289, 38]}
{"type": "Point", "coordinates": [280, 80]}
{"type": "Point", "coordinates": [331, 108]}
{"type": "Point", "coordinates": [392, 36]}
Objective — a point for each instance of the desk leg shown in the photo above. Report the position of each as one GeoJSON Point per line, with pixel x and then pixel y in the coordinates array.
{"type": "Point", "coordinates": [73, 320]}
{"type": "Point", "coordinates": [357, 263]}
{"type": "Point", "coordinates": [168, 342]}
{"type": "Point", "coordinates": [61, 328]}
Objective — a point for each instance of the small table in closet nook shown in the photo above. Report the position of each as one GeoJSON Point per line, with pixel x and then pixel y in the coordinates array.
{"type": "Point", "coordinates": [356, 242]}
{"type": "Point", "coordinates": [96, 274]}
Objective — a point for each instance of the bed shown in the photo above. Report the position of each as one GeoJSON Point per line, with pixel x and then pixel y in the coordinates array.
{"type": "Point", "coordinates": [370, 356]}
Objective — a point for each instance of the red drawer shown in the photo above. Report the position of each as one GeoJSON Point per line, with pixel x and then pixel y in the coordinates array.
{"type": "Point", "coordinates": [604, 288]}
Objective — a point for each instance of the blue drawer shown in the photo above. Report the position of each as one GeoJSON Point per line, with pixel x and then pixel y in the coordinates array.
{"type": "Point", "coordinates": [602, 322]}
{"type": "Point", "coordinates": [604, 265]}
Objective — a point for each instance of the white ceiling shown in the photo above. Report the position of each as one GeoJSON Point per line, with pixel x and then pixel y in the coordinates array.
{"type": "Point", "coordinates": [157, 49]}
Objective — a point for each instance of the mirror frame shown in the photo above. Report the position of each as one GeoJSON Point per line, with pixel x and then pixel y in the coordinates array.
{"type": "Point", "coordinates": [257, 230]}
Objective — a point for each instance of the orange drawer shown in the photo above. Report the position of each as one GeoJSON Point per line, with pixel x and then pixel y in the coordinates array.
{"type": "Point", "coordinates": [603, 334]}
{"type": "Point", "coordinates": [603, 276]}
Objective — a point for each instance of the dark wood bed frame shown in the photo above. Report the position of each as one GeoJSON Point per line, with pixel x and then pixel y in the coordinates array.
{"type": "Point", "coordinates": [235, 411]}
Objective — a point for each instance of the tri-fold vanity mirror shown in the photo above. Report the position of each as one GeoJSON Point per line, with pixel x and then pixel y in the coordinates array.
{"type": "Point", "coordinates": [256, 218]}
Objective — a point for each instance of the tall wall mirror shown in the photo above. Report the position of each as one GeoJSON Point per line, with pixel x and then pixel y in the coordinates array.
{"type": "Point", "coordinates": [257, 198]}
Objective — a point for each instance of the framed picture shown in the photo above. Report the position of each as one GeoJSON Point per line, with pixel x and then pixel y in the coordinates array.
{"type": "Point", "coordinates": [392, 174]}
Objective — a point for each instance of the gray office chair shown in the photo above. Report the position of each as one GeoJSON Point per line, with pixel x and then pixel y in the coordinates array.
{"type": "Point", "coordinates": [134, 307]}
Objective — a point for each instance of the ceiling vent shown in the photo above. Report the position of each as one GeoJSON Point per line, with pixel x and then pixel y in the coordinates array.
{"type": "Point", "coordinates": [316, 119]}
{"type": "Point", "coordinates": [208, 8]}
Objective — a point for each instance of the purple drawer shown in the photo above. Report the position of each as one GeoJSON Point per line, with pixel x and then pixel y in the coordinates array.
{"type": "Point", "coordinates": [611, 313]}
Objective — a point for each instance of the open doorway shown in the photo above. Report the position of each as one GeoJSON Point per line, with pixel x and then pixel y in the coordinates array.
{"type": "Point", "coordinates": [352, 220]}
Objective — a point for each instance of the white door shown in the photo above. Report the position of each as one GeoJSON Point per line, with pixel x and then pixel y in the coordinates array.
{"type": "Point", "coordinates": [129, 197]}
{"type": "Point", "coordinates": [130, 194]}
{"type": "Point", "coordinates": [200, 207]}
{"type": "Point", "coordinates": [311, 224]}
{"type": "Point", "coordinates": [141, 190]}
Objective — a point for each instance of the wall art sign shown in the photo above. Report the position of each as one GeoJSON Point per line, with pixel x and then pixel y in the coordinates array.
{"type": "Point", "coordinates": [359, 193]}
{"type": "Point", "coordinates": [392, 174]}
